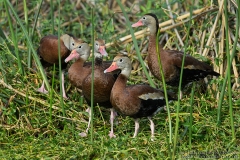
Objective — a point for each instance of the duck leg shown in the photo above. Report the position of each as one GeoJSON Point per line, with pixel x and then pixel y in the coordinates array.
{"type": "Point", "coordinates": [112, 117]}
{"type": "Point", "coordinates": [136, 127]}
{"type": "Point", "coordinates": [84, 134]}
{"type": "Point", "coordinates": [42, 89]}
{"type": "Point", "coordinates": [63, 89]}
{"type": "Point", "coordinates": [152, 127]}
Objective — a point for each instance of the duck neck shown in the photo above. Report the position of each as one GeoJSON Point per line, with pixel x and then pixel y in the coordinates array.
{"type": "Point", "coordinates": [152, 42]}
{"type": "Point", "coordinates": [76, 66]}
{"type": "Point", "coordinates": [151, 47]}
{"type": "Point", "coordinates": [120, 83]}
{"type": "Point", "coordinates": [78, 62]}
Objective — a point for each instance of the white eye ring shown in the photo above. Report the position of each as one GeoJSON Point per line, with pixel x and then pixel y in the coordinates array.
{"type": "Point", "coordinates": [120, 60]}
{"type": "Point", "coordinates": [144, 17]}
{"type": "Point", "coordinates": [73, 44]}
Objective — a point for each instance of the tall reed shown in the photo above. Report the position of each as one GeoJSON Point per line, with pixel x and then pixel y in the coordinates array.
{"type": "Point", "coordinates": [180, 87]}
{"type": "Point", "coordinates": [229, 70]}
{"type": "Point", "coordinates": [32, 33]}
{"type": "Point", "coordinates": [25, 9]}
{"type": "Point", "coordinates": [165, 95]}
{"type": "Point", "coordinates": [92, 83]}
{"type": "Point", "coordinates": [59, 60]}
{"type": "Point", "coordinates": [52, 16]}
{"type": "Point", "coordinates": [227, 74]}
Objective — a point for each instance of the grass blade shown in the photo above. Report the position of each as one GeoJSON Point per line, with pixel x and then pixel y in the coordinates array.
{"type": "Point", "coordinates": [51, 96]}
{"type": "Point", "coordinates": [165, 93]}
{"type": "Point", "coordinates": [60, 61]}
{"type": "Point", "coordinates": [191, 115]}
{"type": "Point", "coordinates": [52, 16]}
{"type": "Point", "coordinates": [92, 84]}
{"type": "Point", "coordinates": [32, 33]}
{"type": "Point", "coordinates": [29, 60]}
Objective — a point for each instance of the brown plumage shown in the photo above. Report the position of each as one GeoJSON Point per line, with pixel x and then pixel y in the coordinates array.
{"type": "Point", "coordinates": [48, 53]}
{"type": "Point", "coordinates": [171, 59]}
{"type": "Point", "coordinates": [80, 69]}
{"type": "Point", "coordinates": [136, 101]}
{"type": "Point", "coordinates": [102, 82]}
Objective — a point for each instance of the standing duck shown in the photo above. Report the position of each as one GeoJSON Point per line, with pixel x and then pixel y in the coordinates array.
{"type": "Point", "coordinates": [171, 60]}
{"type": "Point", "coordinates": [102, 84]}
{"type": "Point", "coordinates": [48, 52]}
{"type": "Point", "coordinates": [136, 101]}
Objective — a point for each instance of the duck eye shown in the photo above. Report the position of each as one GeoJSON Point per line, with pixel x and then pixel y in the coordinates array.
{"type": "Point", "coordinates": [73, 44]}
{"type": "Point", "coordinates": [144, 18]}
{"type": "Point", "coordinates": [120, 60]}
{"type": "Point", "coordinates": [79, 46]}
{"type": "Point", "coordinates": [96, 44]}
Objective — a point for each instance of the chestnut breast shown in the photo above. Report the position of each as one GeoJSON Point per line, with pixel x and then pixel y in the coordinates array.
{"type": "Point", "coordinates": [103, 84]}
{"type": "Point", "coordinates": [48, 49]}
{"type": "Point", "coordinates": [78, 72]}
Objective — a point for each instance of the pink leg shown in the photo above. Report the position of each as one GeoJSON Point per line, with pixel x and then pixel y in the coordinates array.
{"type": "Point", "coordinates": [84, 134]}
{"type": "Point", "coordinates": [42, 89]}
{"type": "Point", "coordinates": [136, 127]}
{"type": "Point", "coordinates": [63, 89]}
{"type": "Point", "coordinates": [152, 127]}
{"type": "Point", "coordinates": [112, 117]}
{"type": "Point", "coordinates": [88, 110]}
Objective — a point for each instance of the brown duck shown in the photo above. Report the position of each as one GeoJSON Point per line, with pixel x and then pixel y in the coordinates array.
{"type": "Point", "coordinates": [136, 101]}
{"type": "Point", "coordinates": [48, 53]}
{"type": "Point", "coordinates": [171, 60]}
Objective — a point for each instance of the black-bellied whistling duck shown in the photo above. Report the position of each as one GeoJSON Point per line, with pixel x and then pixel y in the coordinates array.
{"type": "Point", "coordinates": [136, 101]}
{"type": "Point", "coordinates": [171, 60]}
{"type": "Point", "coordinates": [78, 71]}
{"type": "Point", "coordinates": [48, 52]}
{"type": "Point", "coordinates": [102, 84]}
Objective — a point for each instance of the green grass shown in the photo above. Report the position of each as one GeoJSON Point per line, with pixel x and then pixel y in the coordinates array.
{"type": "Point", "coordinates": [36, 126]}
